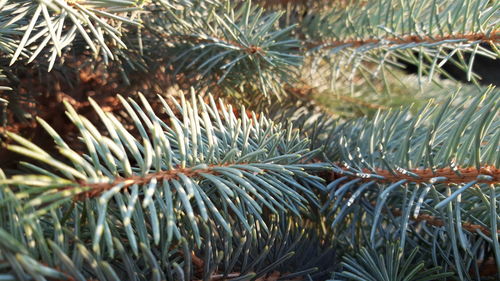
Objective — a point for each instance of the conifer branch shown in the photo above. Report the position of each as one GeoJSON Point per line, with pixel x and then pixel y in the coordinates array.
{"type": "Point", "coordinates": [492, 37]}
{"type": "Point", "coordinates": [434, 221]}
{"type": "Point", "coordinates": [456, 175]}
{"type": "Point", "coordinates": [235, 46]}
{"type": "Point", "coordinates": [193, 190]}
{"type": "Point", "coordinates": [368, 39]}
{"type": "Point", "coordinates": [434, 167]}
{"type": "Point", "coordinates": [97, 189]}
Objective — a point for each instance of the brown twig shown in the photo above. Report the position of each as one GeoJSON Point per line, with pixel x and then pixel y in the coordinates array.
{"type": "Point", "coordinates": [457, 176]}
{"type": "Point", "coordinates": [493, 37]}
{"type": "Point", "coordinates": [425, 175]}
{"type": "Point", "coordinates": [98, 188]}
{"type": "Point", "coordinates": [434, 221]}
{"type": "Point", "coordinates": [252, 49]}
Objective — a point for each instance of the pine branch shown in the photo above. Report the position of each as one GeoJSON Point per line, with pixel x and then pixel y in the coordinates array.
{"type": "Point", "coordinates": [368, 263]}
{"type": "Point", "coordinates": [492, 37]}
{"type": "Point", "coordinates": [203, 176]}
{"type": "Point", "coordinates": [434, 221]}
{"type": "Point", "coordinates": [42, 26]}
{"type": "Point", "coordinates": [368, 39]}
{"type": "Point", "coordinates": [234, 45]}
{"type": "Point", "coordinates": [438, 166]}
{"type": "Point", "coordinates": [457, 175]}
{"type": "Point", "coordinates": [193, 190]}
{"type": "Point", "coordinates": [97, 189]}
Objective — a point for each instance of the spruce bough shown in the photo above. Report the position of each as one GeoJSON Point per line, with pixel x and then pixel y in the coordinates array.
{"type": "Point", "coordinates": [363, 186]}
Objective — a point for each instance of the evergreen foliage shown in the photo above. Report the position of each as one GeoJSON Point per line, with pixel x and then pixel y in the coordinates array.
{"type": "Point", "coordinates": [196, 187]}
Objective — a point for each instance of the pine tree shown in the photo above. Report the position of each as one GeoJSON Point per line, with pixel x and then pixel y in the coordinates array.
{"type": "Point", "coordinates": [264, 140]}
